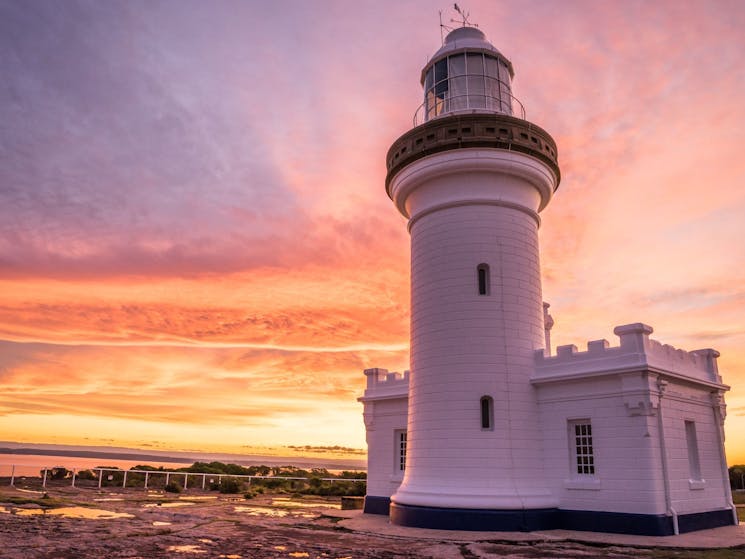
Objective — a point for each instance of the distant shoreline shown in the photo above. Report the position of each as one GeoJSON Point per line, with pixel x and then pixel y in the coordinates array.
{"type": "Point", "coordinates": [97, 454]}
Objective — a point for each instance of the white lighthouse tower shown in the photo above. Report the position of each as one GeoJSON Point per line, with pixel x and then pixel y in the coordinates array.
{"type": "Point", "coordinates": [490, 430]}
{"type": "Point", "coordinates": [472, 179]}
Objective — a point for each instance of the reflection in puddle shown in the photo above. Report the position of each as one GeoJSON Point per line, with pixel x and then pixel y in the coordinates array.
{"type": "Point", "coordinates": [109, 499]}
{"type": "Point", "coordinates": [186, 549]}
{"type": "Point", "coordinates": [299, 554]}
{"type": "Point", "coordinates": [286, 502]}
{"type": "Point", "coordinates": [276, 513]}
{"type": "Point", "coordinates": [76, 512]}
{"type": "Point", "coordinates": [232, 556]}
{"type": "Point", "coordinates": [205, 540]}
{"type": "Point", "coordinates": [159, 523]}
{"type": "Point", "coordinates": [169, 505]}
{"type": "Point", "coordinates": [200, 498]}
{"type": "Point", "coordinates": [29, 512]}
{"type": "Point", "coordinates": [3, 510]}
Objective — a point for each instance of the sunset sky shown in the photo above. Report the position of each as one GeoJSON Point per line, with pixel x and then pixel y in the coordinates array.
{"type": "Point", "coordinates": [196, 247]}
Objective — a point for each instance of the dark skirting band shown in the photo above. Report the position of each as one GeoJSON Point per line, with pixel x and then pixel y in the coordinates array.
{"type": "Point", "coordinates": [530, 520]}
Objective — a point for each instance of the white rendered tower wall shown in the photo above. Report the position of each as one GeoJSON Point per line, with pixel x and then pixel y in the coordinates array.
{"type": "Point", "coordinates": [472, 181]}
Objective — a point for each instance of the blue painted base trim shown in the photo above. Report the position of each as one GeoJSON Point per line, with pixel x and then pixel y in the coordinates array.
{"type": "Point", "coordinates": [705, 520]}
{"type": "Point", "coordinates": [376, 505]}
{"type": "Point", "coordinates": [474, 519]}
{"type": "Point", "coordinates": [544, 519]}
{"type": "Point", "coordinates": [616, 522]}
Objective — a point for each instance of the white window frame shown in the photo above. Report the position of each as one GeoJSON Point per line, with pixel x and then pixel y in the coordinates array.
{"type": "Point", "coordinates": [581, 448]}
{"type": "Point", "coordinates": [400, 441]}
{"type": "Point", "coordinates": [583, 467]}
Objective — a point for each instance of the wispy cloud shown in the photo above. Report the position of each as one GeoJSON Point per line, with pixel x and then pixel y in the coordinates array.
{"type": "Point", "coordinates": [193, 226]}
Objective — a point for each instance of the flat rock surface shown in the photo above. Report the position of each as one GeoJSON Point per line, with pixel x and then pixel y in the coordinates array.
{"type": "Point", "coordinates": [134, 523]}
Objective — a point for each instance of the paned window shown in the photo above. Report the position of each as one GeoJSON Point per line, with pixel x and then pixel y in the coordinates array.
{"type": "Point", "coordinates": [580, 434]}
{"type": "Point", "coordinates": [400, 451]}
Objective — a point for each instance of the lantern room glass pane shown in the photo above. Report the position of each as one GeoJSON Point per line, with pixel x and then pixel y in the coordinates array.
{"type": "Point", "coordinates": [492, 84]}
{"type": "Point", "coordinates": [476, 92]}
{"type": "Point", "coordinates": [457, 93]}
{"type": "Point", "coordinates": [505, 92]}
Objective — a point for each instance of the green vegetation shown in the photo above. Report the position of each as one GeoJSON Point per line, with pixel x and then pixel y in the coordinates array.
{"type": "Point", "coordinates": [737, 476]}
{"type": "Point", "coordinates": [172, 487]}
{"type": "Point", "coordinates": [319, 481]}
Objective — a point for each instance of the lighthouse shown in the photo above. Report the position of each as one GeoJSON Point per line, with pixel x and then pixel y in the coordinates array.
{"type": "Point", "coordinates": [490, 429]}
{"type": "Point", "coordinates": [471, 179]}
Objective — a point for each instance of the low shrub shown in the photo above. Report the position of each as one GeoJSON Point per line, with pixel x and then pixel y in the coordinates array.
{"type": "Point", "coordinates": [172, 487]}
{"type": "Point", "coordinates": [89, 475]}
{"type": "Point", "coordinates": [230, 486]}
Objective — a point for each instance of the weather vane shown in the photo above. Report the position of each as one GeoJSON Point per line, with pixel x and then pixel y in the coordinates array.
{"type": "Point", "coordinates": [463, 21]}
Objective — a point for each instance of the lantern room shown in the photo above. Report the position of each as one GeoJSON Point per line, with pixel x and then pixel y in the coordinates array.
{"type": "Point", "coordinates": [467, 74]}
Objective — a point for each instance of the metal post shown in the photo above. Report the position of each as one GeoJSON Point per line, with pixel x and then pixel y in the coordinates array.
{"type": "Point", "coordinates": [124, 483]}
{"type": "Point", "coordinates": [204, 480]}
{"type": "Point", "coordinates": [100, 477]}
{"type": "Point", "coordinates": [146, 476]}
{"type": "Point", "coordinates": [74, 471]}
{"type": "Point", "coordinates": [168, 476]}
{"type": "Point", "coordinates": [12, 474]}
{"type": "Point", "coordinates": [186, 481]}
{"type": "Point", "coordinates": [44, 483]}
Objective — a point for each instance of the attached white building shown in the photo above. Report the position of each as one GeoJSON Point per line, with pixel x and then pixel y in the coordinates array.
{"type": "Point", "coordinates": [490, 431]}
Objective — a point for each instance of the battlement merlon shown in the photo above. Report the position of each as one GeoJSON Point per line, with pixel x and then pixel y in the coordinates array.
{"type": "Point", "coordinates": [384, 385]}
{"type": "Point", "coordinates": [636, 351]}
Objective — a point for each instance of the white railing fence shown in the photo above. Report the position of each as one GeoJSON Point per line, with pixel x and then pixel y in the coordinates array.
{"type": "Point", "coordinates": [108, 477]}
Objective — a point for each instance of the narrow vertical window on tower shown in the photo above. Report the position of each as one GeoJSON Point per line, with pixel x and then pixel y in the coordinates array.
{"type": "Point", "coordinates": [400, 463]}
{"type": "Point", "coordinates": [694, 464]}
{"type": "Point", "coordinates": [487, 413]}
{"type": "Point", "coordinates": [482, 271]}
{"type": "Point", "coordinates": [580, 442]}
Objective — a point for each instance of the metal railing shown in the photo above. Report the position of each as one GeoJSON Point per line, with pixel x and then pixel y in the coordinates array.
{"type": "Point", "coordinates": [169, 475]}
{"type": "Point", "coordinates": [468, 103]}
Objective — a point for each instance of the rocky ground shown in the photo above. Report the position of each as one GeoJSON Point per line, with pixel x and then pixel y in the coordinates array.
{"type": "Point", "coordinates": [87, 523]}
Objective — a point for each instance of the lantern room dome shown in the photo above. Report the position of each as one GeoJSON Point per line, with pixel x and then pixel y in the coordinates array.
{"type": "Point", "coordinates": [466, 38]}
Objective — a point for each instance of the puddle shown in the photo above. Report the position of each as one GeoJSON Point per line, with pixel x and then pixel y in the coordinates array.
{"type": "Point", "coordinates": [29, 512]}
{"type": "Point", "coordinates": [233, 556]}
{"type": "Point", "coordinates": [3, 510]}
{"type": "Point", "coordinates": [275, 513]}
{"type": "Point", "coordinates": [169, 505]}
{"type": "Point", "coordinates": [280, 548]}
{"type": "Point", "coordinates": [298, 554]}
{"type": "Point", "coordinates": [186, 549]}
{"type": "Point", "coordinates": [109, 499]}
{"type": "Point", "coordinates": [159, 523]}
{"type": "Point", "coordinates": [205, 540]}
{"type": "Point", "coordinates": [199, 498]}
{"type": "Point", "coordinates": [75, 512]}
{"type": "Point", "coordinates": [285, 502]}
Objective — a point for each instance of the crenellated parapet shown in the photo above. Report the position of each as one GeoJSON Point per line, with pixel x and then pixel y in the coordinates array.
{"type": "Point", "coordinates": [382, 384]}
{"type": "Point", "coordinates": [635, 352]}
